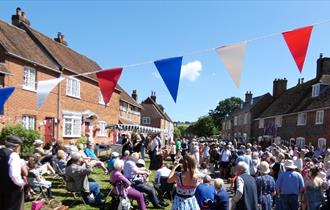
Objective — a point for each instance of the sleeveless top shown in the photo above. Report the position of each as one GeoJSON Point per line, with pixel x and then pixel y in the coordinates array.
{"type": "Point", "coordinates": [183, 190]}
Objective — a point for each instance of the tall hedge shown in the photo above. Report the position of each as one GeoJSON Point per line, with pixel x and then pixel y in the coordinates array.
{"type": "Point", "coordinates": [28, 136]}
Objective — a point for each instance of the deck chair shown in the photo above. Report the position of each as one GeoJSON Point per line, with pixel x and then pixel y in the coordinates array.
{"type": "Point", "coordinates": [60, 172]}
{"type": "Point", "coordinates": [36, 187]}
{"type": "Point", "coordinates": [78, 196]}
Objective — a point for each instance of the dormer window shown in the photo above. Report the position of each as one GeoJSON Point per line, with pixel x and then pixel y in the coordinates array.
{"type": "Point", "coordinates": [316, 90]}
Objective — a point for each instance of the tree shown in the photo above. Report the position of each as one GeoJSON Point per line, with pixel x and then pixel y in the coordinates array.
{"type": "Point", "coordinates": [224, 108]}
{"type": "Point", "coordinates": [28, 136]}
{"type": "Point", "coordinates": [204, 126]}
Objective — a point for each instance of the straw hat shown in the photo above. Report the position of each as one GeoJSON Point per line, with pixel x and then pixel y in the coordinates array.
{"type": "Point", "coordinates": [264, 167]}
{"type": "Point", "coordinates": [289, 164]}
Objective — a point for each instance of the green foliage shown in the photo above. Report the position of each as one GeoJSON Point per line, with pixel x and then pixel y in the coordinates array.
{"type": "Point", "coordinates": [204, 126]}
{"type": "Point", "coordinates": [28, 136]}
{"type": "Point", "coordinates": [82, 140]}
{"type": "Point", "coordinates": [224, 107]}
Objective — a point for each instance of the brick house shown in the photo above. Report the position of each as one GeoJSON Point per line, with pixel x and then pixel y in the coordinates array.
{"type": "Point", "coordinates": [130, 109]}
{"type": "Point", "coordinates": [154, 115]}
{"type": "Point", "coordinates": [240, 123]}
{"type": "Point", "coordinates": [74, 108]}
{"type": "Point", "coordinates": [300, 114]}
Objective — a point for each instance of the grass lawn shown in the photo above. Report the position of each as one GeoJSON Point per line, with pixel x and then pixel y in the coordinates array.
{"type": "Point", "coordinates": [98, 175]}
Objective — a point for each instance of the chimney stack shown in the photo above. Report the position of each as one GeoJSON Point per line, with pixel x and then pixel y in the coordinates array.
{"type": "Point", "coordinates": [153, 96]}
{"type": "Point", "coordinates": [60, 39]}
{"type": "Point", "coordinates": [19, 17]}
{"type": "Point", "coordinates": [248, 97]}
{"type": "Point", "coordinates": [323, 67]}
{"type": "Point", "coordinates": [134, 95]}
{"type": "Point", "coordinates": [279, 87]}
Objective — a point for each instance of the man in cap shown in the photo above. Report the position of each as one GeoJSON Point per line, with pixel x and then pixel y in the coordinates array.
{"type": "Point", "coordinates": [289, 185]}
{"type": "Point", "coordinates": [11, 171]}
{"type": "Point", "coordinates": [76, 174]}
{"type": "Point", "coordinates": [111, 161]}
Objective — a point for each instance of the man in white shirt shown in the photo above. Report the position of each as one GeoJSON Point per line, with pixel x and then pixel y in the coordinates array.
{"type": "Point", "coordinates": [164, 171]}
{"type": "Point", "coordinates": [11, 172]}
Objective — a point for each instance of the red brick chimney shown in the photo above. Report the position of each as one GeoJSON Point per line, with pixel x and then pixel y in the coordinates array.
{"type": "Point", "coordinates": [134, 95]}
{"type": "Point", "coordinates": [279, 87]}
{"type": "Point", "coordinates": [153, 96]}
{"type": "Point", "coordinates": [248, 97]}
{"type": "Point", "coordinates": [60, 39]}
{"type": "Point", "coordinates": [19, 17]}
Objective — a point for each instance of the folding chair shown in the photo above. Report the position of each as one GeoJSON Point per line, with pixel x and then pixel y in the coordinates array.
{"type": "Point", "coordinates": [36, 186]}
{"type": "Point", "coordinates": [78, 196]}
{"type": "Point", "coordinates": [60, 172]}
{"type": "Point", "coordinates": [165, 188]}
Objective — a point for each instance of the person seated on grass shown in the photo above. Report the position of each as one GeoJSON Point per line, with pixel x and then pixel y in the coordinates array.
{"type": "Point", "coordinates": [111, 161]}
{"type": "Point", "coordinates": [132, 172]}
{"type": "Point", "coordinates": [221, 198]}
{"type": "Point", "coordinates": [89, 156]}
{"type": "Point", "coordinates": [122, 185]}
{"type": "Point", "coordinates": [76, 174]}
{"type": "Point", "coordinates": [205, 193]}
{"type": "Point", "coordinates": [35, 178]}
{"type": "Point", "coordinates": [45, 168]}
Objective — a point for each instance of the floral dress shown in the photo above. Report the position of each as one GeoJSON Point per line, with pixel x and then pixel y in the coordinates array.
{"type": "Point", "coordinates": [265, 188]}
{"type": "Point", "coordinates": [185, 196]}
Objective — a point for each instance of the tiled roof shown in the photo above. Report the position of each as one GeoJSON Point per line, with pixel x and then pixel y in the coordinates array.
{"type": "Point", "coordinates": [151, 106]}
{"type": "Point", "coordinates": [66, 57]}
{"type": "Point", "coordinates": [293, 100]}
{"type": "Point", "coordinates": [127, 98]}
{"type": "Point", "coordinates": [17, 42]}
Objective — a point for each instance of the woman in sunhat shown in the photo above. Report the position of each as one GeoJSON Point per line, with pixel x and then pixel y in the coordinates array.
{"type": "Point", "coordinates": [265, 186]}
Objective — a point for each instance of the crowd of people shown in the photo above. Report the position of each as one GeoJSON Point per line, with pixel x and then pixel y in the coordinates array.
{"type": "Point", "coordinates": [207, 174]}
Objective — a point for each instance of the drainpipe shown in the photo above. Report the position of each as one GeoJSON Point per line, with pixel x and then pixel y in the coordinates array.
{"type": "Point", "coordinates": [59, 92]}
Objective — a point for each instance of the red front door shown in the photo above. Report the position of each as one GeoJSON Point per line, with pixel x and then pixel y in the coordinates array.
{"type": "Point", "coordinates": [49, 130]}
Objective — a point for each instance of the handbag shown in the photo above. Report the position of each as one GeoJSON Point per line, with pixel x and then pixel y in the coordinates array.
{"type": "Point", "coordinates": [37, 205]}
{"type": "Point", "coordinates": [124, 204]}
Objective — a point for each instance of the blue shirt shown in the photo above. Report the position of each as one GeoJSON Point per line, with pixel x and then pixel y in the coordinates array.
{"type": "Point", "coordinates": [221, 200]}
{"type": "Point", "coordinates": [204, 192]}
{"type": "Point", "coordinates": [289, 182]}
{"type": "Point", "coordinates": [111, 163]}
{"type": "Point", "coordinates": [246, 159]}
{"type": "Point", "coordinates": [90, 153]}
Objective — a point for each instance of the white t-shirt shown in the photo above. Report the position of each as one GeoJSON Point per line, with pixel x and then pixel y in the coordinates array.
{"type": "Point", "coordinates": [162, 172]}
{"type": "Point", "coordinates": [225, 156]}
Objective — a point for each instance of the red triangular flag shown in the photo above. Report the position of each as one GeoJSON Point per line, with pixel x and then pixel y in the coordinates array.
{"type": "Point", "coordinates": [297, 41]}
{"type": "Point", "coordinates": [107, 82]}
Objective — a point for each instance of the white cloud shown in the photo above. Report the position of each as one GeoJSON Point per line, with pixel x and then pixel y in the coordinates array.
{"type": "Point", "coordinates": [191, 71]}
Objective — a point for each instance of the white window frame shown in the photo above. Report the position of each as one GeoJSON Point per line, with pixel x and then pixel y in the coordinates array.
{"type": "Point", "coordinates": [246, 118]}
{"type": "Point", "coordinates": [75, 121]}
{"type": "Point", "coordinates": [321, 142]}
{"type": "Point", "coordinates": [316, 90]}
{"type": "Point", "coordinates": [73, 87]}
{"type": "Point", "coordinates": [302, 119]}
{"type": "Point", "coordinates": [300, 142]}
{"type": "Point", "coordinates": [235, 120]}
{"type": "Point", "coordinates": [261, 123]}
{"type": "Point", "coordinates": [102, 132]}
{"type": "Point", "coordinates": [319, 117]}
{"type": "Point", "coordinates": [278, 121]}
{"type": "Point", "coordinates": [29, 78]}
{"type": "Point", "coordinates": [146, 120]}
{"type": "Point", "coordinates": [29, 122]}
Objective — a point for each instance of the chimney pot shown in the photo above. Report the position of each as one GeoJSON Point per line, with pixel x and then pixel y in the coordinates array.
{"type": "Point", "coordinates": [19, 17]}
{"type": "Point", "coordinates": [134, 95]}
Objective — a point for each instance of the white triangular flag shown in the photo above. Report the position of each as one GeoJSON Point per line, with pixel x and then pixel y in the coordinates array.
{"type": "Point", "coordinates": [43, 89]}
{"type": "Point", "coordinates": [232, 57]}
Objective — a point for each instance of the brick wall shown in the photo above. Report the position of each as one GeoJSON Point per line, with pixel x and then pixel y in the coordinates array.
{"type": "Point", "coordinates": [23, 102]}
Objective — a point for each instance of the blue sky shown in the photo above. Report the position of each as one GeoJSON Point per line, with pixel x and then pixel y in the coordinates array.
{"type": "Point", "coordinates": [117, 33]}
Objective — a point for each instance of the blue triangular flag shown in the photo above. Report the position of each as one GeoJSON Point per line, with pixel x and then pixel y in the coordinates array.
{"type": "Point", "coordinates": [4, 95]}
{"type": "Point", "coordinates": [170, 70]}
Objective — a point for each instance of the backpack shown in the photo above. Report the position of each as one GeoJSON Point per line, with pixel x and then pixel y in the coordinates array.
{"type": "Point", "coordinates": [124, 204]}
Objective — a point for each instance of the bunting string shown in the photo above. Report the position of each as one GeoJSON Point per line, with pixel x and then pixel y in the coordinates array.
{"type": "Point", "coordinates": [232, 56]}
